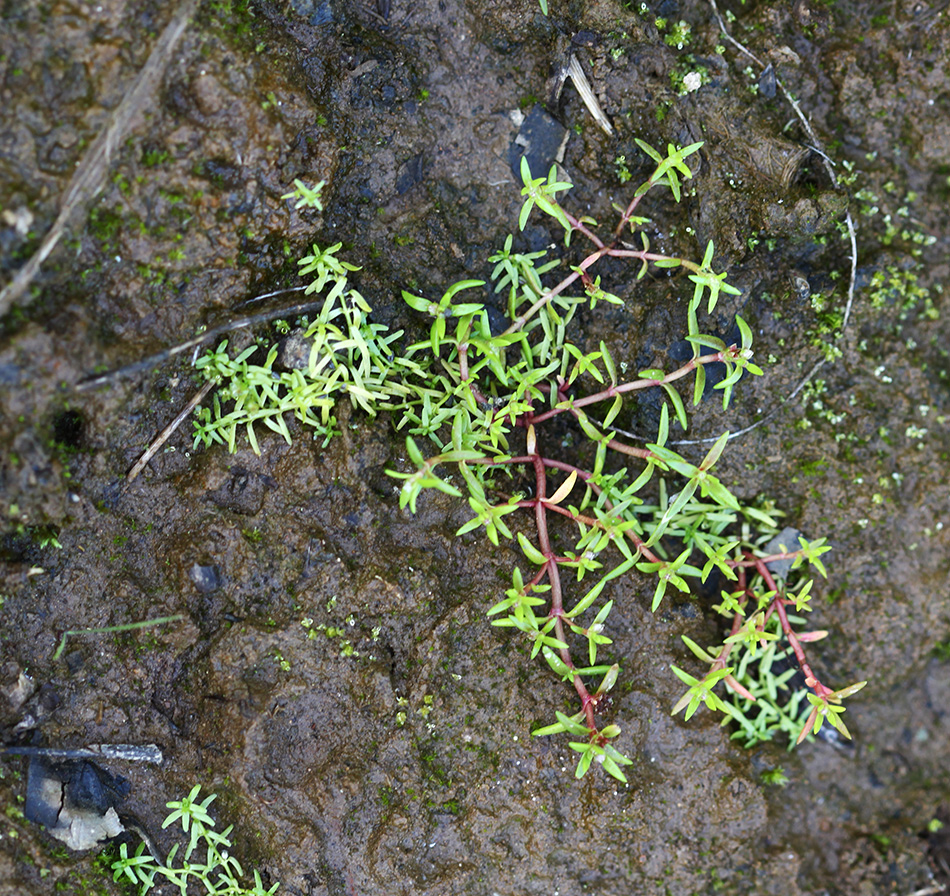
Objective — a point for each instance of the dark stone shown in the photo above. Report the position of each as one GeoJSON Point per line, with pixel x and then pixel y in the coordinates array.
{"type": "Point", "coordinates": [207, 579]}
{"type": "Point", "coordinates": [540, 140]}
{"type": "Point", "coordinates": [243, 493]}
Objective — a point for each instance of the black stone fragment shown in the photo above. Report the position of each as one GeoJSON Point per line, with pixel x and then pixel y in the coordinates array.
{"type": "Point", "coordinates": [541, 140]}
{"type": "Point", "coordinates": [207, 579]}
{"type": "Point", "coordinates": [74, 800]}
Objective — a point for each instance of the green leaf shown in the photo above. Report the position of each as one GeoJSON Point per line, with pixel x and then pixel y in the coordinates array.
{"type": "Point", "coordinates": [418, 303]}
{"type": "Point", "coordinates": [677, 402]}
{"type": "Point", "coordinates": [715, 452]}
{"type": "Point", "coordinates": [613, 770]}
{"type": "Point", "coordinates": [685, 677]}
{"type": "Point", "coordinates": [458, 287]}
{"type": "Point", "coordinates": [585, 760]}
{"type": "Point", "coordinates": [664, 430]}
{"type": "Point", "coordinates": [415, 455]}
{"type": "Point", "coordinates": [615, 409]}
{"type": "Point", "coordinates": [678, 504]}
{"type": "Point", "coordinates": [745, 332]}
{"type": "Point", "coordinates": [721, 495]}
{"type": "Point", "coordinates": [697, 650]}
{"type": "Point", "coordinates": [707, 342]}
{"type": "Point", "coordinates": [649, 150]}
{"type": "Point", "coordinates": [609, 680]}
{"type": "Point", "coordinates": [847, 692]}
{"type": "Point", "coordinates": [557, 664]}
{"type": "Point", "coordinates": [530, 551]}
{"type": "Point", "coordinates": [699, 385]}
{"type": "Point", "coordinates": [658, 595]}
{"type": "Point", "coordinates": [572, 724]}
{"type": "Point", "coordinates": [587, 599]}
{"type": "Point", "coordinates": [609, 365]}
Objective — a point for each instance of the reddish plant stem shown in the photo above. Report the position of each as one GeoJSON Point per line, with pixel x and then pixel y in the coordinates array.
{"type": "Point", "coordinates": [779, 603]}
{"type": "Point", "coordinates": [463, 361]}
{"type": "Point", "coordinates": [638, 544]}
{"type": "Point", "coordinates": [554, 577]}
{"type": "Point", "coordinates": [634, 385]}
{"type": "Point", "coordinates": [615, 444]}
{"type": "Point", "coordinates": [630, 450]}
{"type": "Point", "coordinates": [519, 322]}
{"type": "Point", "coordinates": [720, 661]}
{"type": "Point", "coordinates": [754, 561]}
{"type": "Point", "coordinates": [644, 255]}
{"type": "Point", "coordinates": [632, 207]}
{"type": "Point", "coordinates": [628, 214]}
{"type": "Point", "coordinates": [531, 503]}
{"type": "Point", "coordinates": [464, 376]}
{"type": "Point", "coordinates": [601, 251]}
{"type": "Point", "coordinates": [580, 227]}
{"type": "Point", "coordinates": [567, 468]}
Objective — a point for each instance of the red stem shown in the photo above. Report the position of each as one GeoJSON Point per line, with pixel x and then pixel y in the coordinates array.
{"type": "Point", "coordinates": [634, 385]}
{"type": "Point", "coordinates": [754, 561]}
{"type": "Point", "coordinates": [779, 602]}
{"type": "Point", "coordinates": [577, 225]}
{"type": "Point", "coordinates": [519, 322]}
{"type": "Point", "coordinates": [556, 611]}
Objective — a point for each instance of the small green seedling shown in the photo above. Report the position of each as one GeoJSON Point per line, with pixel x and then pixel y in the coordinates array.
{"type": "Point", "coordinates": [206, 867]}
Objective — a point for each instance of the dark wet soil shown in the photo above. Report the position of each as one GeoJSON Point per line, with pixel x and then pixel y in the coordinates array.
{"type": "Point", "coordinates": [334, 677]}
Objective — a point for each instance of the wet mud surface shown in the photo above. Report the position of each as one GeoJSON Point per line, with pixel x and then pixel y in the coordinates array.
{"type": "Point", "coordinates": [334, 676]}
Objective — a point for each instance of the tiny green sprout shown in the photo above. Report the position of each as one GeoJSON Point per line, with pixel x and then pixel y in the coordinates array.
{"type": "Point", "coordinates": [623, 172]}
{"type": "Point", "coordinates": [599, 751]}
{"type": "Point", "coordinates": [826, 707]}
{"type": "Point", "coordinates": [679, 35]}
{"type": "Point", "coordinates": [206, 866]}
{"type": "Point", "coordinates": [188, 809]}
{"type": "Point", "coordinates": [700, 692]}
{"type": "Point", "coordinates": [49, 539]}
{"type": "Point", "coordinates": [669, 169]}
{"type": "Point", "coordinates": [306, 197]}
{"type": "Point", "coordinates": [542, 192]}
{"type": "Point", "coordinates": [775, 777]}
{"type": "Point", "coordinates": [137, 868]}
{"type": "Point", "coordinates": [752, 634]}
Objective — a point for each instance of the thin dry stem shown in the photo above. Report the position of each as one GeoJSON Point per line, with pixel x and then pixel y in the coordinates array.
{"type": "Point", "coordinates": [91, 171]}
{"type": "Point", "coordinates": [166, 433]}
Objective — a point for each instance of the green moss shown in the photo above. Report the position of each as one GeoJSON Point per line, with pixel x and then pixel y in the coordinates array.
{"type": "Point", "coordinates": [105, 224]}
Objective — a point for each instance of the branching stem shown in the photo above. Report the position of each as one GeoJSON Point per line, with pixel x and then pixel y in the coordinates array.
{"type": "Point", "coordinates": [779, 603]}
{"type": "Point", "coordinates": [554, 578]}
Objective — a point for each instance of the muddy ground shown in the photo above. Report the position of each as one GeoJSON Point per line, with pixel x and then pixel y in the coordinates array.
{"type": "Point", "coordinates": [395, 756]}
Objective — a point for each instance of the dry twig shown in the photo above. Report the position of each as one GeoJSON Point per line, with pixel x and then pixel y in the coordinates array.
{"type": "Point", "coordinates": [166, 433]}
{"type": "Point", "coordinates": [91, 172]}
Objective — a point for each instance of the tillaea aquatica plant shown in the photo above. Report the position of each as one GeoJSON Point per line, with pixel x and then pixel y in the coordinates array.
{"type": "Point", "coordinates": [486, 399]}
